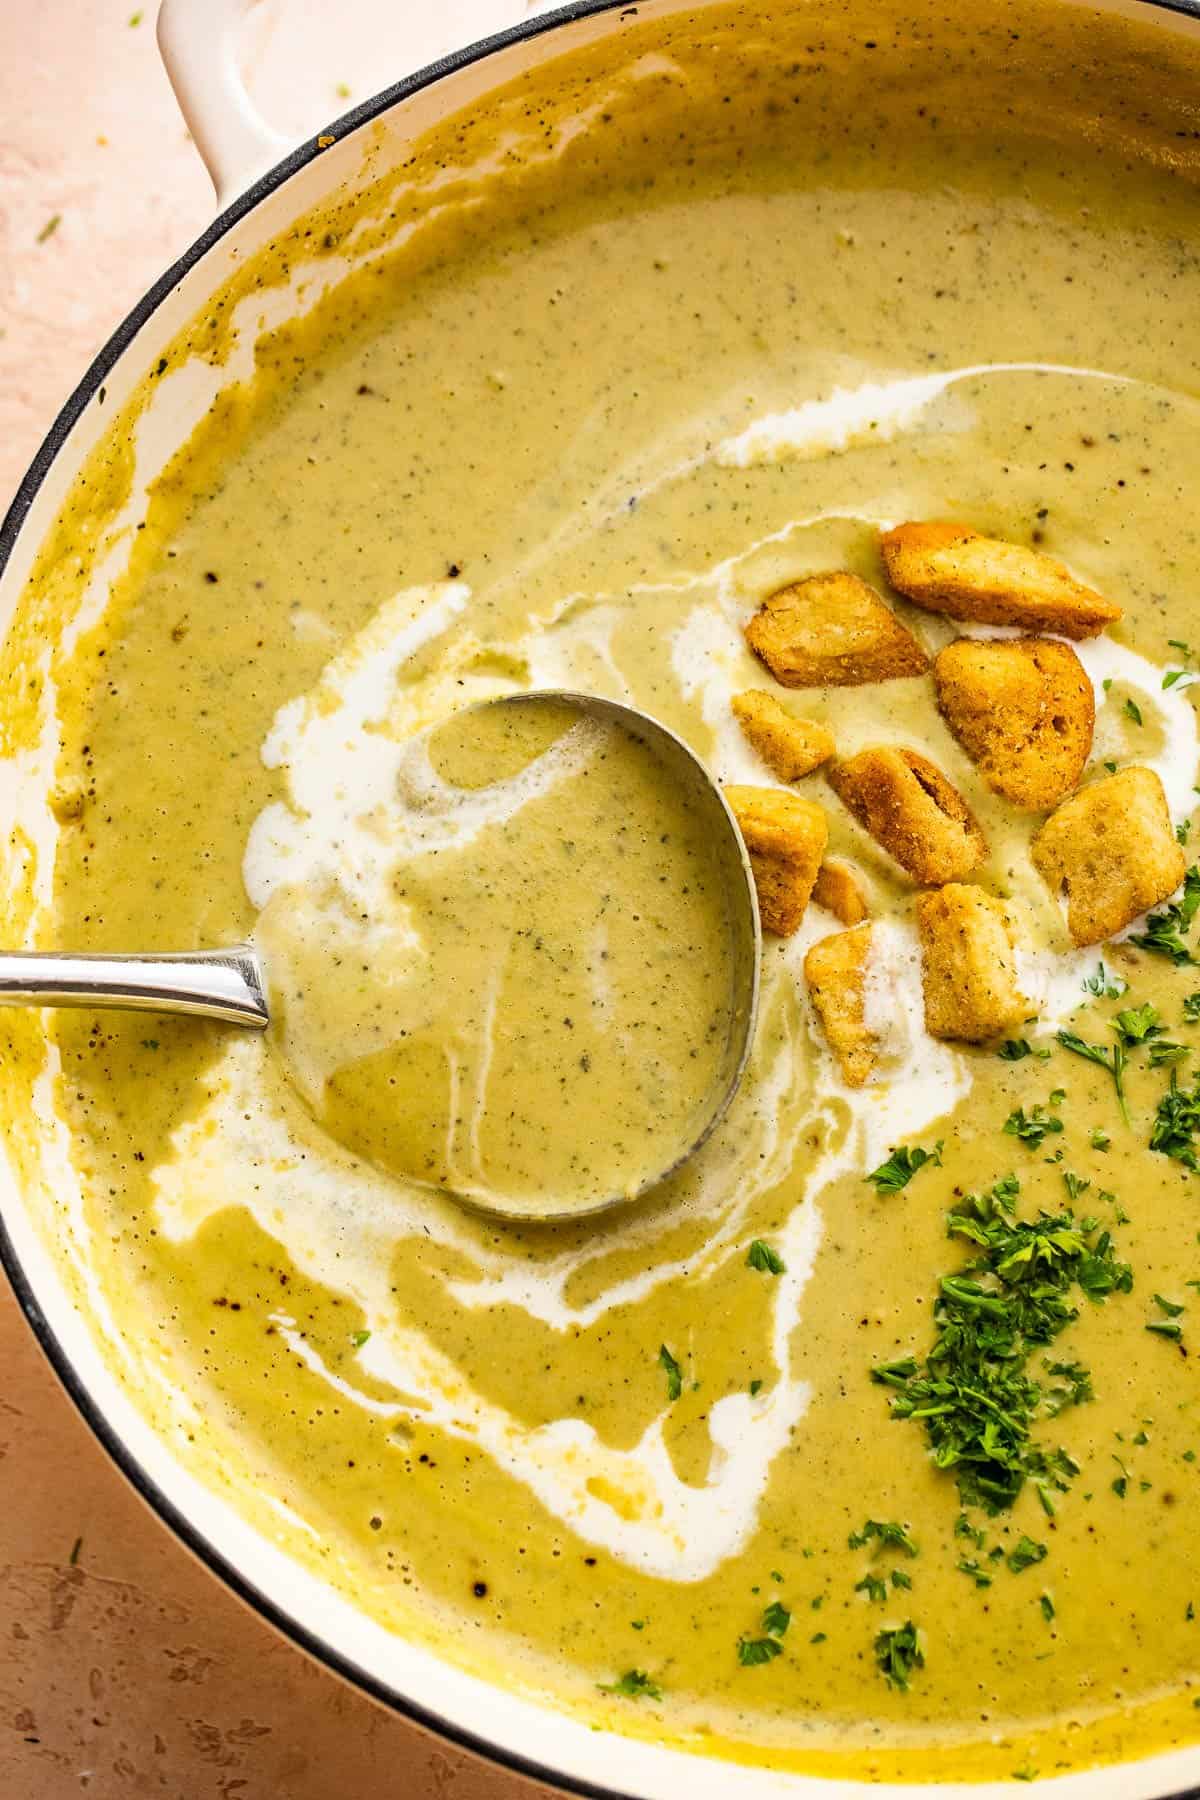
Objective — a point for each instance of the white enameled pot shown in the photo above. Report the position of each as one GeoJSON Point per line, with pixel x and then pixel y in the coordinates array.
{"type": "Point", "coordinates": [263, 184]}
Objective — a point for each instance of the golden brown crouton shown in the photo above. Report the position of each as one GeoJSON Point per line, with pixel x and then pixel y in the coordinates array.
{"type": "Point", "coordinates": [785, 838]}
{"type": "Point", "coordinates": [968, 969]}
{"type": "Point", "coordinates": [835, 970]}
{"type": "Point", "coordinates": [1111, 850]}
{"type": "Point", "coordinates": [913, 810]}
{"type": "Point", "coordinates": [1024, 710]}
{"type": "Point", "coordinates": [951, 569]}
{"type": "Point", "coordinates": [837, 889]}
{"type": "Point", "coordinates": [832, 631]}
{"type": "Point", "coordinates": [789, 746]}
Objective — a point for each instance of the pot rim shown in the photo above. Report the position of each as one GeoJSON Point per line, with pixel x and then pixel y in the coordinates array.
{"type": "Point", "coordinates": [143, 1484]}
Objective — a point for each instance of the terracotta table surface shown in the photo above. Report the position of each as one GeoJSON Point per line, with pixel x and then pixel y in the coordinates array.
{"type": "Point", "coordinates": [132, 1671]}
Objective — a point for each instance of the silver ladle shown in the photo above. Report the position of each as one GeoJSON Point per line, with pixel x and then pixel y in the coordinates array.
{"type": "Point", "coordinates": [229, 985]}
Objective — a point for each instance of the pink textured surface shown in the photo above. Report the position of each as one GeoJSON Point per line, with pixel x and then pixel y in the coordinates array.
{"type": "Point", "coordinates": [132, 1671]}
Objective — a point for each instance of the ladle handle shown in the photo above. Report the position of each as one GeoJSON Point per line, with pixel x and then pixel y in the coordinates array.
{"type": "Point", "coordinates": [206, 984]}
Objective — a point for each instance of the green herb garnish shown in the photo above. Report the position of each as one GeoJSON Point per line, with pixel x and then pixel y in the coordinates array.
{"type": "Point", "coordinates": [763, 1258]}
{"type": "Point", "coordinates": [899, 1649]}
{"type": "Point", "coordinates": [1164, 933]}
{"type": "Point", "coordinates": [359, 1338]}
{"type": "Point", "coordinates": [634, 1684]}
{"type": "Point", "coordinates": [1112, 1059]}
{"type": "Point", "coordinates": [1136, 1024]}
{"type": "Point", "coordinates": [674, 1373]}
{"type": "Point", "coordinates": [1133, 711]}
{"type": "Point", "coordinates": [901, 1166]}
{"type": "Point", "coordinates": [1036, 1125]}
{"type": "Point", "coordinates": [775, 1621]}
{"type": "Point", "coordinates": [1015, 1049]}
{"type": "Point", "coordinates": [1105, 984]}
{"type": "Point", "coordinates": [975, 1395]}
{"type": "Point", "coordinates": [886, 1535]}
{"type": "Point", "coordinates": [1025, 1553]}
{"type": "Point", "coordinates": [873, 1587]}
{"type": "Point", "coordinates": [1176, 1122]}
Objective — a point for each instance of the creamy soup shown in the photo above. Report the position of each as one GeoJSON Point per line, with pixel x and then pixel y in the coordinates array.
{"type": "Point", "coordinates": [501, 954]}
{"type": "Point", "coordinates": [671, 1467]}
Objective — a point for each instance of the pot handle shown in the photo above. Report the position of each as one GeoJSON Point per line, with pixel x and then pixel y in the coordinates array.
{"type": "Point", "coordinates": [197, 40]}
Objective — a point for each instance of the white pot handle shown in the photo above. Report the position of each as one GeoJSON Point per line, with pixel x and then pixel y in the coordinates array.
{"type": "Point", "coordinates": [198, 41]}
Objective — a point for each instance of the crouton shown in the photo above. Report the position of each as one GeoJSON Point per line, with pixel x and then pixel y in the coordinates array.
{"type": "Point", "coordinates": [1111, 850]}
{"type": "Point", "coordinates": [832, 631]}
{"type": "Point", "coordinates": [968, 968]}
{"type": "Point", "coordinates": [837, 889]}
{"type": "Point", "coordinates": [835, 970]}
{"type": "Point", "coordinates": [951, 569]}
{"type": "Point", "coordinates": [913, 810]}
{"type": "Point", "coordinates": [790, 747]}
{"type": "Point", "coordinates": [1024, 712]}
{"type": "Point", "coordinates": [785, 838]}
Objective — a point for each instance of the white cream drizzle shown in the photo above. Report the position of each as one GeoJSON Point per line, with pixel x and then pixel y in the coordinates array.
{"type": "Point", "coordinates": [875, 412]}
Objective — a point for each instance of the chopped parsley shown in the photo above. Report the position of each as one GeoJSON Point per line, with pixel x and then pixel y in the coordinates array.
{"type": "Point", "coordinates": [359, 1338]}
{"type": "Point", "coordinates": [1073, 1388]}
{"type": "Point", "coordinates": [1036, 1125]}
{"type": "Point", "coordinates": [1105, 984]}
{"type": "Point", "coordinates": [753, 1651]}
{"type": "Point", "coordinates": [762, 1257]}
{"type": "Point", "coordinates": [1099, 1139]}
{"type": "Point", "coordinates": [975, 1394]}
{"type": "Point", "coordinates": [901, 1166]}
{"type": "Point", "coordinates": [1170, 1308]}
{"type": "Point", "coordinates": [1025, 1553]}
{"type": "Point", "coordinates": [886, 1535]}
{"type": "Point", "coordinates": [1191, 1008]}
{"type": "Point", "coordinates": [634, 1684]}
{"type": "Point", "coordinates": [1137, 1023]}
{"type": "Point", "coordinates": [873, 1587]}
{"type": "Point", "coordinates": [1176, 1122]}
{"type": "Point", "coordinates": [1168, 1328]}
{"type": "Point", "coordinates": [975, 1569]}
{"type": "Point", "coordinates": [1133, 711]}
{"type": "Point", "coordinates": [1165, 931]}
{"type": "Point", "coordinates": [674, 1373]}
{"type": "Point", "coordinates": [1046, 1602]}
{"type": "Point", "coordinates": [1112, 1059]}
{"type": "Point", "coordinates": [1174, 676]}
{"type": "Point", "coordinates": [899, 1649]}
{"type": "Point", "coordinates": [776, 1619]}
{"type": "Point", "coordinates": [1016, 1049]}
